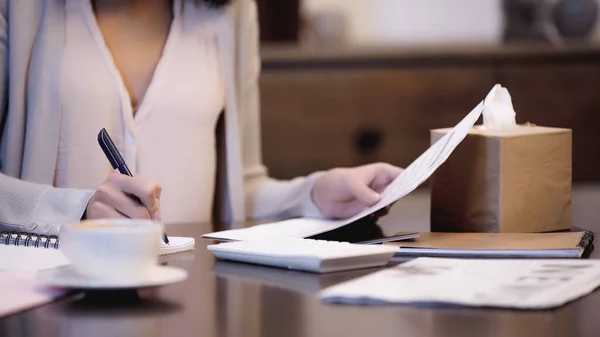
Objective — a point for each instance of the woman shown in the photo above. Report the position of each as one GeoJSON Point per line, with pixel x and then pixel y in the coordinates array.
{"type": "Point", "coordinates": [176, 85]}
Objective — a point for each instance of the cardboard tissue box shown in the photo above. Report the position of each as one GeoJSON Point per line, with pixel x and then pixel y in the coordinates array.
{"type": "Point", "coordinates": [504, 177]}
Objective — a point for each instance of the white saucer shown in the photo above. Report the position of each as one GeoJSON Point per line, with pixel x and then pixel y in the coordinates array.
{"type": "Point", "coordinates": [68, 277]}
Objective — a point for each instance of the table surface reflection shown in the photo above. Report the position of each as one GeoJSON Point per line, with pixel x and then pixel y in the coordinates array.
{"type": "Point", "coordinates": [230, 299]}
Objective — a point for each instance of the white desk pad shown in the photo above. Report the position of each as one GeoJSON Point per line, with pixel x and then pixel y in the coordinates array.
{"type": "Point", "coordinates": [518, 284]}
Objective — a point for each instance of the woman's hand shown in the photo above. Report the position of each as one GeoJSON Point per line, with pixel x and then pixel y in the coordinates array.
{"type": "Point", "coordinates": [115, 198]}
{"type": "Point", "coordinates": [345, 192]}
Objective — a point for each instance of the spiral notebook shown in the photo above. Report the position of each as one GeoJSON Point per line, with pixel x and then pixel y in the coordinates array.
{"type": "Point", "coordinates": [176, 244]}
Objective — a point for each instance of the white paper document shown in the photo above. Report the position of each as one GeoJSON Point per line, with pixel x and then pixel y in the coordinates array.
{"type": "Point", "coordinates": [20, 291]}
{"type": "Point", "coordinates": [519, 284]}
{"type": "Point", "coordinates": [293, 228]}
{"type": "Point", "coordinates": [413, 176]}
{"type": "Point", "coordinates": [29, 259]}
{"type": "Point", "coordinates": [177, 244]}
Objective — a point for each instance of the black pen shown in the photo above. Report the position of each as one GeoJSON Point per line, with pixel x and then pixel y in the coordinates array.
{"type": "Point", "coordinates": [117, 161]}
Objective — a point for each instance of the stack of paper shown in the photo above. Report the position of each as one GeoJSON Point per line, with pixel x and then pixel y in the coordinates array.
{"type": "Point", "coordinates": [523, 284]}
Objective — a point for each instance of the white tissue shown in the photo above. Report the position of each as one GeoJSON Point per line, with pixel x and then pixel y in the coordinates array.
{"type": "Point", "coordinates": [498, 111]}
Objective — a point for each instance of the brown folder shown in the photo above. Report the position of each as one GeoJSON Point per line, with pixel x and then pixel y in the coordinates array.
{"type": "Point", "coordinates": [498, 245]}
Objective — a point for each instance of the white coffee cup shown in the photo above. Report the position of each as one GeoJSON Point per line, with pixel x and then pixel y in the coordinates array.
{"type": "Point", "coordinates": [123, 249]}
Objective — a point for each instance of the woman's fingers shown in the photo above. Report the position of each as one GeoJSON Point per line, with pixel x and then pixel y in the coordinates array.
{"type": "Point", "coordinates": [123, 196]}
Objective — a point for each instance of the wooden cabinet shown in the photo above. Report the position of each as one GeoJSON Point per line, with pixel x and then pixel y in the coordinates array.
{"type": "Point", "coordinates": [322, 110]}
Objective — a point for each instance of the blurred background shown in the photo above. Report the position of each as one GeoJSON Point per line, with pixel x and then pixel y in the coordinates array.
{"type": "Point", "coordinates": [347, 82]}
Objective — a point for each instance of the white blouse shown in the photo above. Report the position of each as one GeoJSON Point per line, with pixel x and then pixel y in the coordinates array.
{"type": "Point", "coordinates": [171, 138]}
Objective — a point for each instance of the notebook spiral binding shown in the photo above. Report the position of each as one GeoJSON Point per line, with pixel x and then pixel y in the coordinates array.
{"type": "Point", "coordinates": [29, 240]}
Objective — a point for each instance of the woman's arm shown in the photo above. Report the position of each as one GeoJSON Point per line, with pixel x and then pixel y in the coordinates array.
{"type": "Point", "coordinates": [41, 209]}
{"type": "Point", "coordinates": [339, 192]}
{"type": "Point", "coordinates": [27, 206]}
{"type": "Point", "coordinates": [265, 197]}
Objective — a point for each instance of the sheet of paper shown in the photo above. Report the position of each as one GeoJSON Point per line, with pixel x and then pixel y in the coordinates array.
{"type": "Point", "coordinates": [19, 258]}
{"type": "Point", "coordinates": [293, 228]}
{"type": "Point", "coordinates": [414, 175]}
{"type": "Point", "coordinates": [177, 244]}
{"type": "Point", "coordinates": [18, 288]}
{"type": "Point", "coordinates": [523, 284]}
{"type": "Point", "coordinates": [423, 167]}
{"type": "Point", "coordinates": [19, 291]}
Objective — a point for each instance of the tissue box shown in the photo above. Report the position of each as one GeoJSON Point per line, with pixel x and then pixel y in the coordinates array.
{"type": "Point", "coordinates": [504, 181]}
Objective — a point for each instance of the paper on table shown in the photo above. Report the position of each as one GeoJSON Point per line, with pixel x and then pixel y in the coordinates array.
{"type": "Point", "coordinates": [19, 258]}
{"type": "Point", "coordinates": [293, 228]}
{"type": "Point", "coordinates": [18, 288]}
{"type": "Point", "coordinates": [413, 176]}
{"type": "Point", "coordinates": [523, 284]}
{"type": "Point", "coordinates": [19, 291]}
{"type": "Point", "coordinates": [177, 244]}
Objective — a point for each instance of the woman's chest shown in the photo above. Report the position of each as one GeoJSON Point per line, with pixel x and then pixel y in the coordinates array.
{"type": "Point", "coordinates": [136, 42]}
{"type": "Point", "coordinates": [179, 110]}
{"type": "Point", "coordinates": [173, 75]}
